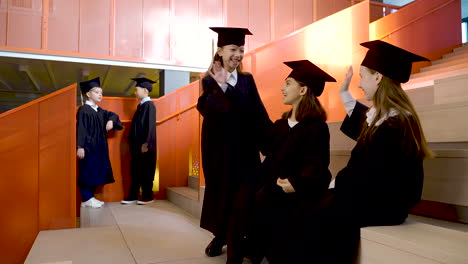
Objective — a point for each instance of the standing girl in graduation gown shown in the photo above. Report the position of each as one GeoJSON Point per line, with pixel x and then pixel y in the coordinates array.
{"type": "Point", "coordinates": [92, 124]}
{"type": "Point", "coordinates": [234, 119]}
{"type": "Point", "coordinates": [384, 176]}
{"type": "Point", "coordinates": [295, 171]}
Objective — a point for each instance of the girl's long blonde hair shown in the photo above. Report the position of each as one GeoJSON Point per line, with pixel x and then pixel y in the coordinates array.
{"type": "Point", "coordinates": [390, 95]}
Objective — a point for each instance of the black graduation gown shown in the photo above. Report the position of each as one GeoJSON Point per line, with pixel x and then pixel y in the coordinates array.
{"type": "Point", "coordinates": [143, 128]}
{"type": "Point", "coordinates": [381, 182]}
{"type": "Point", "coordinates": [232, 127]}
{"type": "Point", "coordinates": [95, 168]}
{"type": "Point", "coordinates": [283, 220]}
{"type": "Point", "coordinates": [143, 165]}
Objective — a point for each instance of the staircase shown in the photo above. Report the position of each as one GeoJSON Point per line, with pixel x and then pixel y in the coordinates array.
{"type": "Point", "coordinates": [187, 197]}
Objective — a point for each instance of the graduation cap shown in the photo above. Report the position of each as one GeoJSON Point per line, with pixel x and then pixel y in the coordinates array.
{"type": "Point", "coordinates": [90, 84]}
{"type": "Point", "coordinates": [231, 36]}
{"type": "Point", "coordinates": [306, 72]}
{"type": "Point", "coordinates": [390, 60]}
{"type": "Point", "coordinates": [144, 83]}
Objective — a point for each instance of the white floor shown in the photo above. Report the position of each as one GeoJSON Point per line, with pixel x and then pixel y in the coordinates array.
{"type": "Point", "coordinates": [145, 234]}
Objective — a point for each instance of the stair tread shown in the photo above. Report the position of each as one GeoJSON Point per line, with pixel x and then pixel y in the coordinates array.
{"type": "Point", "coordinates": [442, 244]}
{"type": "Point", "coordinates": [185, 191]}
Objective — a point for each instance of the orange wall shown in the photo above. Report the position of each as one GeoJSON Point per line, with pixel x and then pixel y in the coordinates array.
{"type": "Point", "coordinates": [37, 183]}
{"type": "Point", "coordinates": [423, 27]}
{"type": "Point", "coordinates": [162, 31]}
{"type": "Point", "coordinates": [331, 43]}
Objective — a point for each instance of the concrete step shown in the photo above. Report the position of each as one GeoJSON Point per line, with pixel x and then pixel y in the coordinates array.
{"type": "Point", "coordinates": [463, 47]}
{"type": "Point", "coordinates": [457, 51]}
{"type": "Point", "coordinates": [185, 198]}
{"type": "Point", "coordinates": [425, 79]}
{"type": "Point", "coordinates": [193, 182]}
{"type": "Point", "coordinates": [463, 67]}
{"type": "Point", "coordinates": [451, 58]}
{"type": "Point", "coordinates": [445, 64]}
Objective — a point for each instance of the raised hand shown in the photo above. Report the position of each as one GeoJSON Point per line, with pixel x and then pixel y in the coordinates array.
{"type": "Point", "coordinates": [349, 75]}
{"type": "Point", "coordinates": [218, 73]}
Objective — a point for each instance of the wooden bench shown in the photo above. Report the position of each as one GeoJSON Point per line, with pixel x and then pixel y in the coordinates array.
{"type": "Point", "coordinates": [413, 243]}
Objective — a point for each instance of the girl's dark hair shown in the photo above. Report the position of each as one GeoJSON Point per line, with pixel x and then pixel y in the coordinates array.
{"type": "Point", "coordinates": [309, 107]}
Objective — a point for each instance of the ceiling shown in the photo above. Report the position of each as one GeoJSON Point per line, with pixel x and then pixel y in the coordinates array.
{"type": "Point", "coordinates": [23, 80]}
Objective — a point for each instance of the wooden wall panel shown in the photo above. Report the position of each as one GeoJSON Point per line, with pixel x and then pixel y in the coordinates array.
{"type": "Point", "coordinates": [259, 23]}
{"type": "Point", "coordinates": [57, 161]}
{"type": "Point", "coordinates": [3, 22]}
{"type": "Point", "coordinates": [63, 28]}
{"type": "Point", "coordinates": [94, 27]}
{"type": "Point", "coordinates": [303, 13]}
{"type": "Point", "coordinates": [125, 107]}
{"type": "Point", "coordinates": [119, 155]}
{"type": "Point", "coordinates": [129, 28]}
{"type": "Point", "coordinates": [283, 14]}
{"type": "Point", "coordinates": [185, 33]}
{"type": "Point", "coordinates": [24, 24]}
{"type": "Point", "coordinates": [18, 183]}
{"type": "Point", "coordinates": [167, 146]}
{"type": "Point", "coordinates": [156, 30]}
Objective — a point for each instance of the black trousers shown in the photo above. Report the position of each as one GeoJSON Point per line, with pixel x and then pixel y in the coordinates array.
{"type": "Point", "coordinates": [142, 170]}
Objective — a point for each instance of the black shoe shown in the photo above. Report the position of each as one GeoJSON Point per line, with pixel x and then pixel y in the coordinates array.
{"type": "Point", "coordinates": [215, 247]}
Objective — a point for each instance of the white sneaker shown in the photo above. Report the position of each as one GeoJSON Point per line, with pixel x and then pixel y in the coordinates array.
{"type": "Point", "coordinates": [128, 201]}
{"type": "Point", "coordinates": [98, 201]}
{"type": "Point", "coordinates": [91, 203]}
{"type": "Point", "coordinates": [144, 202]}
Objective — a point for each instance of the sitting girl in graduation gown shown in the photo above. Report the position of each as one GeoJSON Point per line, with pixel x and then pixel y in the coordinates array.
{"type": "Point", "coordinates": [384, 176]}
{"type": "Point", "coordinates": [92, 124]}
{"type": "Point", "coordinates": [295, 171]}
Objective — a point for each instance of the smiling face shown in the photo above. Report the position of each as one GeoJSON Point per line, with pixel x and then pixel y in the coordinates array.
{"type": "Point", "coordinates": [95, 95]}
{"type": "Point", "coordinates": [369, 82]}
{"type": "Point", "coordinates": [232, 56]}
{"type": "Point", "coordinates": [292, 92]}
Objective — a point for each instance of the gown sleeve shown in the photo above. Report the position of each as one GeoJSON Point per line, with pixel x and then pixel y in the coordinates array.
{"type": "Point", "coordinates": [111, 116]}
{"type": "Point", "coordinates": [262, 120]}
{"type": "Point", "coordinates": [151, 125]}
{"type": "Point", "coordinates": [313, 177]}
{"type": "Point", "coordinates": [82, 123]}
{"type": "Point", "coordinates": [352, 125]}
{"type": "Point", "coordinates": [212, 102]}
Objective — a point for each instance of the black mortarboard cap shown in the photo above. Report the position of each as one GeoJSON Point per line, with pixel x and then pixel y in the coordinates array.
{"type": "Point", "coordinates": [144, 83]}
{"type": "Point", "coordinates": [308, 73]}
{"type": "Point", "coordinates": [231, 36]}
{"type": "Point", "coordinates": [90, 84]}
{"type": "Point", "coordinates": [390, 60]}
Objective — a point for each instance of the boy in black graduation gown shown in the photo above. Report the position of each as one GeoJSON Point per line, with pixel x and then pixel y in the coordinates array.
{"type": "Point", "coordinates": [234, 120]}
{"type": "Point", "coordinates": [142, 145]}
{"type": "Point", "coordinates": [295, 172]}
{"type": "Point", "coordinates": [92, 124]}
{"type": "Point", "coordinates": [384, 176]}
